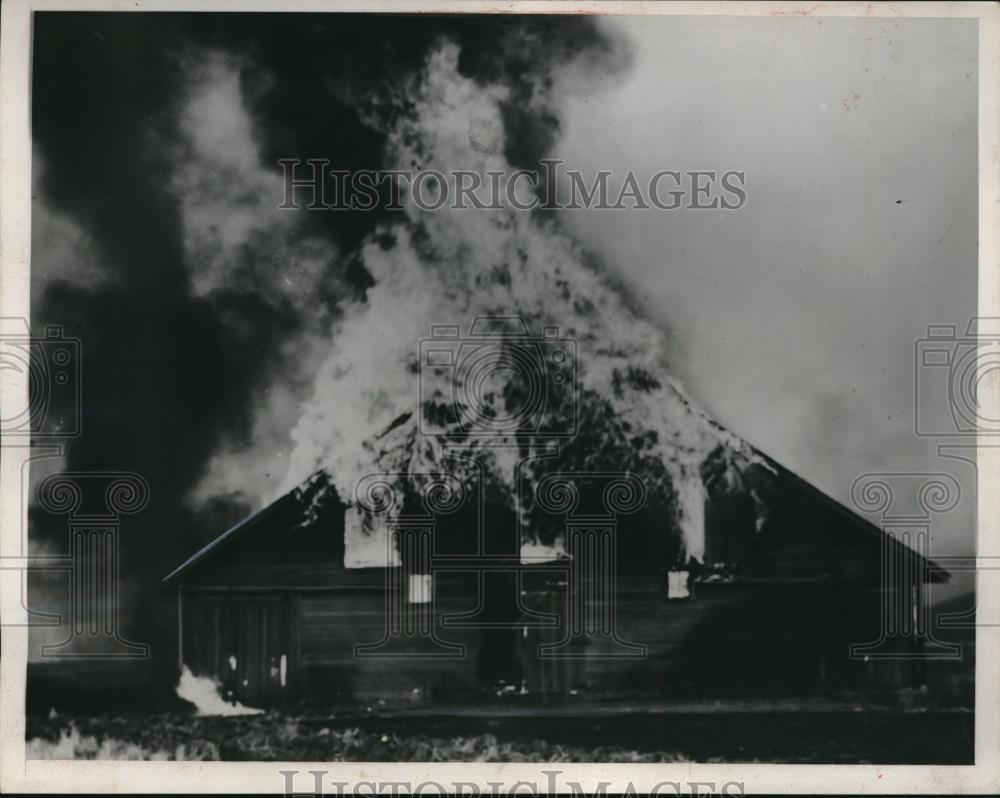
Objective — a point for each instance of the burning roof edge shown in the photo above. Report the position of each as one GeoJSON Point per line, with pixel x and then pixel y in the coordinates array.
{"type": "Point", "coordinates": [217, 543]}
{"type": "Point", "coordinates": [935, 573]}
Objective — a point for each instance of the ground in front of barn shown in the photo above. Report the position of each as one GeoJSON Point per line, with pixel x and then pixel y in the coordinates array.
{"type": "Point", "coordinates": [601, 734]}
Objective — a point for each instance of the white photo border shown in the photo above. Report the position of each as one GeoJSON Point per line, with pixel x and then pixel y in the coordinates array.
{"type": "Point", "coordinates": [78, 776]}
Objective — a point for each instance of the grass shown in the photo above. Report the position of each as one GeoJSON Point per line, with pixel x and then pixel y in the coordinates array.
{"type": "Point", "coordinates": [919, 735]}
{"type": "Point", "coordinates": [276, 737]}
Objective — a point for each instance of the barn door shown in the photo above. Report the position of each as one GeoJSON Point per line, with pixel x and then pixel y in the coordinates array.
{"type": "Point", "coordinates": [253, 651]}
{"type": "Point", "coordinates": [262, 643]}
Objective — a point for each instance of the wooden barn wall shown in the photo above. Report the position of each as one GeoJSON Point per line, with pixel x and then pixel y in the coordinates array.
{"type": "Point", "coordinates": [806, 588]}
{"type": "Point", "coordinates": [333, 625]}
{"type": "Point", "coordinates": [727, 640]}
{"type": "Point", "coordinates": [800, 539]}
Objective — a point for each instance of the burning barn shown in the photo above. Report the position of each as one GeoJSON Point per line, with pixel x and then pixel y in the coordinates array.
{"type": "Point", "coordinates": [431, 588]}
{"type": "Point", "coordinates": [530, 505]}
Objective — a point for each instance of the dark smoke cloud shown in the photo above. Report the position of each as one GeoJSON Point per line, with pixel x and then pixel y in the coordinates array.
{"type": "Point", "coordinates": [175, 372]}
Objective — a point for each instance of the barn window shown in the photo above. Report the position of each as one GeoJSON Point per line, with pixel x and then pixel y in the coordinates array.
{"type": "Point", "coordinates": [420, 588]}
{"type": "Point", "coordinates": [677, 585]}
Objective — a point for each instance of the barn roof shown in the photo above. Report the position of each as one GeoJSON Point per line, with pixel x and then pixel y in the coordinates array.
{"type": "Point", "coordinates": [293, 506]}
{"type": "Point", "coordinates": [934, 571]}
{"type": "Point", "coordinates": [226, 537]}
{"type": "Point", "coordinates": [292, 509]}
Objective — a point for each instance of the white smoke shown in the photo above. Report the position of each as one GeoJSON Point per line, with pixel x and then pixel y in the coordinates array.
{"type": "Point", "coordinates": [204, 694]}
{"type": "Point", "coordinates": [449, 266]}
{"type": "Point", "coordinates": [234, 235]}
{"type": "Point", "coordinates": [61, 249]}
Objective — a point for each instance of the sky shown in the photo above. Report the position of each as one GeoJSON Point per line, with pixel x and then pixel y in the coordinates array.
{"type": "Point", "coordinates": [795, 317]}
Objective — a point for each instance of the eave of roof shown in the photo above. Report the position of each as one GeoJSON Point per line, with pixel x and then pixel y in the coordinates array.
{"type": "Point", "coordinates": [935, 572]}
{"type": "Point", "coordinates": [227, 536]}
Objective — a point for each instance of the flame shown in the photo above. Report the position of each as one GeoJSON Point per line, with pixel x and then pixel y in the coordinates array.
{"type": "Point", "coordinates": [203, 692]}
{"type": "Point", "coordinates": [451, 265]}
